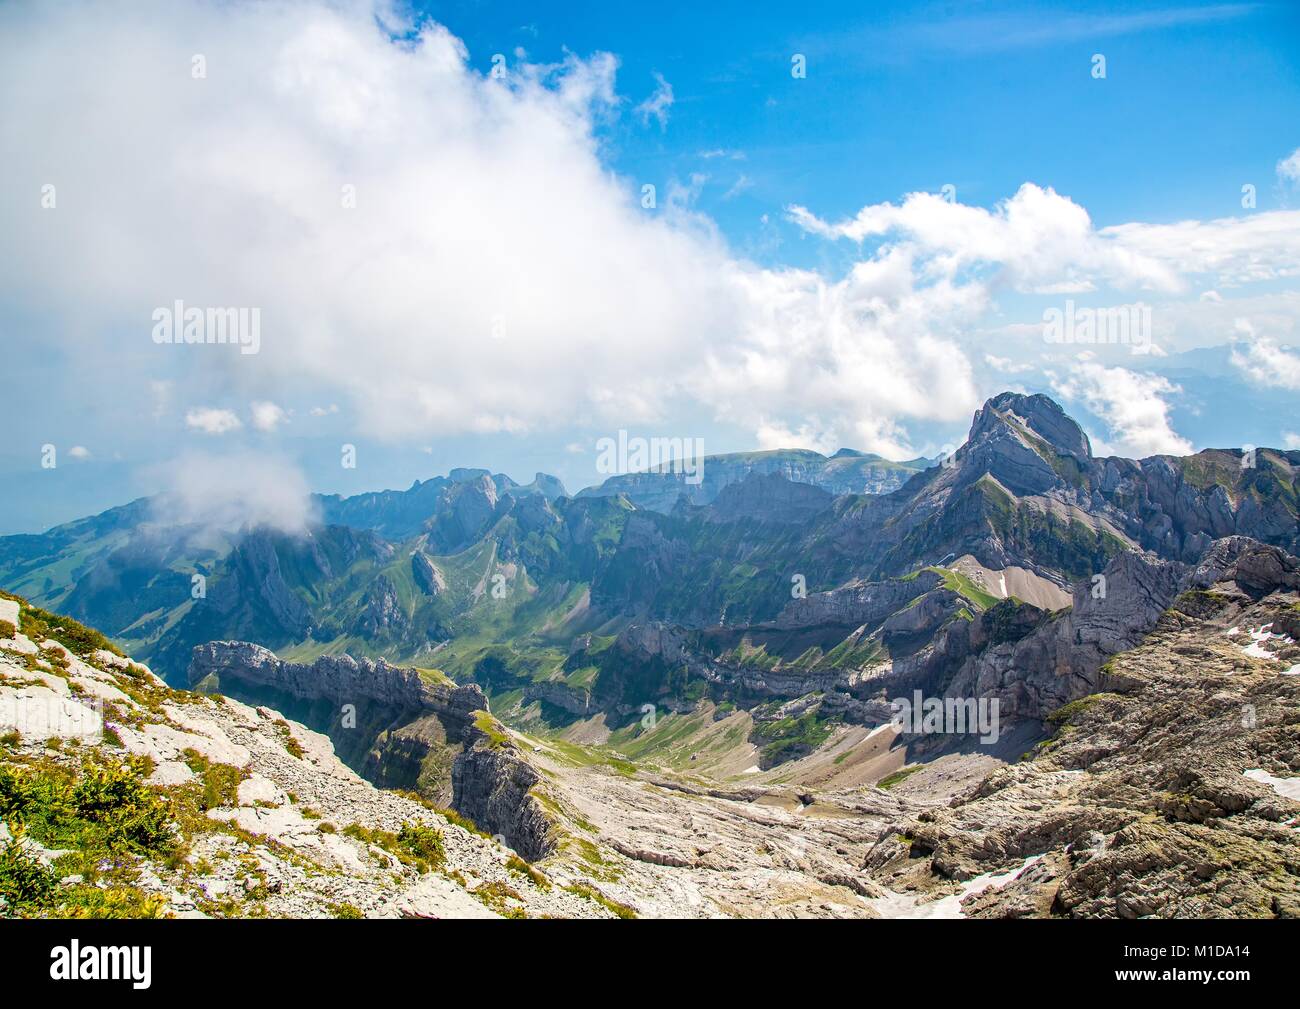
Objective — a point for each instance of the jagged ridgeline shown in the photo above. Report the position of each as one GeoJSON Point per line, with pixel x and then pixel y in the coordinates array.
{"type": "Point", "coordinates": [508, 581]}
{"type": "Point", "coordinates": [568, 671]}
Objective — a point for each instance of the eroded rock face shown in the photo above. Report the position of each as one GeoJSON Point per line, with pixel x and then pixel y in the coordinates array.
{"type": "Point", "coordinates": [1153, 798]}
{"type": "Point", "coordinates": [769, 498]}
{"type": "Point", "coordinates": [1005, 442]}
{"type": "Point", "coordinates": [338, 678]}
{"type": "Point", "coordinates": [1252, 567]}
{"type": "Point", "coordinates": [571, 699]}
{"type": "Point", "coordinates": [855, 604]}
{"type": "Point", "coordinates": [426, 574]}
{"type": "Point", "coordinates": [493, 785]}
{"type": "Point", "coordinates": [1034, 664]}
{"type": "Point", "coordinates": [422, 734]}
{"type": "Point", "coordinates": [382, 612]}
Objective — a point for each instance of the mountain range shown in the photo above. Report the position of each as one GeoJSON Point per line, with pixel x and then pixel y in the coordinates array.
{"type": "Point", "coordinates": [473, 561]}
{"type": "Point", "coordinates": [571, 673]}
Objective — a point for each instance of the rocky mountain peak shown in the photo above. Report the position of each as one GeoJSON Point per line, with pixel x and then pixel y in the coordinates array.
{"type": "Point", "coordinates": [1037, 416]}
{"type": "Point", "coordinates": [1027, 443]}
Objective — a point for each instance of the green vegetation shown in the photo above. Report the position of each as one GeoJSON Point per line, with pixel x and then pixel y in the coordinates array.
{"type": "Point", "coordinates": [890, 780]}
{"type": "Point", "coordinates": [1066, 712]}
{"type": "Point", "coordinates": [591, 893]}
{"type": "Point", "coordinates": [495, 895]}
{"type": "Point", "coordinates": [518, 866]}
{"type": "Point", "coordinates": [79, 639]}
{"type": "Point", "coordinates": [490, 727]}
{"type": "Point", "coordinates": [415, 845]}
{"type": "Point", "coordinates": [104, 807]}
{"type": "Point", "coordinates": [219, 782]}
{"type": "Point", "coordinates": [291, 745]}
{"type": "Point", "coordinates": [1200, 602]}
{"type": "Point", "coordinates": [963, 585]}
{"type": "Point", "coordinates": [789, 738]}
{"type": "Point", "coordinates": [101, 813]}
{"type": "Point", "coordinates": [459, 819]}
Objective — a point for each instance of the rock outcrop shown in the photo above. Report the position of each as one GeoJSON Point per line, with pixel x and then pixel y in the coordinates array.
{"type": "Point", "coordinates": [426, 574]}
{"type": "Point", "coordinates": [257, 816]}
{"type": "Point", "coordinates": [1171, 793]}
{"type": "Point", "coordinates": [417, 732]}
{"type": "Point", "coordinates": [340, 679]}
{"type": "Point", "coordinates": [493, 785]}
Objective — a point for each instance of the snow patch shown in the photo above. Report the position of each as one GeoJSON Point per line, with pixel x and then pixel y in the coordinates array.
{"type": "Point", "coordinates": [1259, 636]}
{"type": "Point", "coordinates": [906, 905]}
{"type": "Point", "coordinates": [1288, 788]}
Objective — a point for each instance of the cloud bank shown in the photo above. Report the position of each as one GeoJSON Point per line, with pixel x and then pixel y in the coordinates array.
{"type": "Point", "coordinates": [445, 251]}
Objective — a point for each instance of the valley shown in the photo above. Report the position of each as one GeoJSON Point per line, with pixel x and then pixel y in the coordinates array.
{"type": "Point", "coordinates": [691, 708]}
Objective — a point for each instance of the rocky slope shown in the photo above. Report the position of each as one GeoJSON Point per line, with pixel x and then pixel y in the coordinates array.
{"type": "Point", "coordinates": [122, 797]}
{"type": "Point", "coordinates": [1169, 785]}
{"type": "Point", "coordinates": [404, 727]}
{"type": "Point", "coordinates": [1170, 792]}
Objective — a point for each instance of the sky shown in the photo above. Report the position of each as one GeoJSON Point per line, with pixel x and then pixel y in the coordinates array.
{"type": "Point", "coordinates": [491, 234]}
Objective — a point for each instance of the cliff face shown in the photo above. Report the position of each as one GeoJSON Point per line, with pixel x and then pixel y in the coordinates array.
{"type": "Point", "coordinates": [1171, 792]}
{"type": "Point", "coordinates": [399, 729]}
{"type": "Point", "coordinates": [338, 678]}
{"type": "Point", "coordinates": [494, 786]}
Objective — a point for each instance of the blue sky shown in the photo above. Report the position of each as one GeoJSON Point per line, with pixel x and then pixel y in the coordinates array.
{"type": "Point", "coordinates": [903, 96]}
{"type": "Point", "coordinates": [747, 308]}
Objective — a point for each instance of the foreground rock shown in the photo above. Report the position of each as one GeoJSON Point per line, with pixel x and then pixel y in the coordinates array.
{"type": "Point", "coordinates": [265, 820]}
{"type": "Point", "coordinates": [1168, 793]}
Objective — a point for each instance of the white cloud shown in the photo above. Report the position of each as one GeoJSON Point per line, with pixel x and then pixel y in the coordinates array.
{"type": "Point", "coordinates": [1290, 440]}
{"type": "Point", "coordinates": [161, 392]}
{"type": "Point", "coordinates": [79, 452]}
{"type": "Point", "coordinates": [657, 105]}
{"type": "Point", "coordinates": [810, 435]}
{"type": "Point", "coordinates": [741, 184]}
{"type": "Point", "coordinates": [1289, 167]}
{"type": "Point", "coordinates": [471, 288]}
{"type": "Point", "coordinates": [1266, 363]}
{"type": "Point", "coordinates": [1236, 250]}
{"type": "Point", "coordinates": [227, 491]}
{"type": "Point", "coordinates": [474, 287]}
{"type": "Point", "coordinates": [1263, 360]}
{"type": "Point", "coordinates": [267, 416]}
{"type": "Point", "coordinates": [1037, 240]}
{"type": "Point", "coordinates": [1006, 364]}
{"type": "Point", "coordinates": [211, 420]}
{"type": "Point", "coordinates": [1132, 405]}
{"type": "Point", "coordinates": [1041, 241]}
